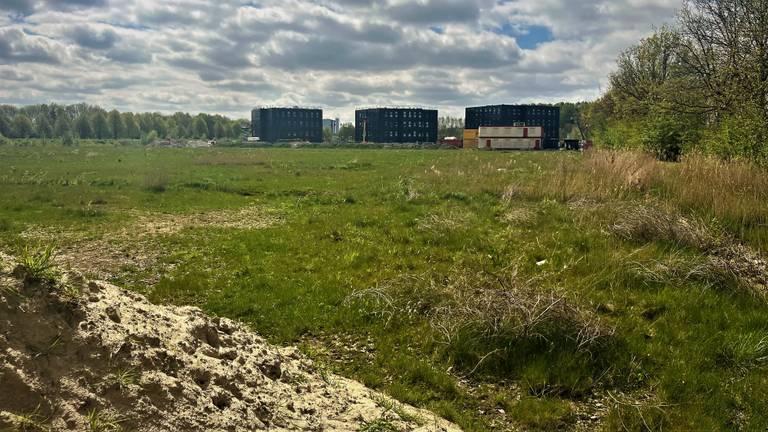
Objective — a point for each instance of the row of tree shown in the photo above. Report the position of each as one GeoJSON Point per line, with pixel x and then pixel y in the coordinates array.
{"type": "Point", "coordinates": [699, 85]}
{"type": "Point", "coordinates": [89, 121]}
{"type": "Point", "coordinates": [450, 127]}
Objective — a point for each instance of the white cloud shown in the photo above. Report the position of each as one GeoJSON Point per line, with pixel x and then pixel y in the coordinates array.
{"type": "Point", "coordinates": [227, 56]}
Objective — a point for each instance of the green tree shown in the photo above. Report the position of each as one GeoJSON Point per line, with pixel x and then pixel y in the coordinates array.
{"type": "Point", "coordinates": [200, 127]}
{"type": "Point", "coordinates": [22, 127]}
{"type": "Point", "coordinates": [5, 126]}
{"type": "Point", "coordinates": [100, 125]}
{"type": "Point", "coordinates": [61, 126]}
{"type": "Point", "coordinates": [450, 126]}
{"type": "Point", "coordinates": [116, 125]}
{"type": "Point", "coordinates": [132, 130]}
{"type": "Point", "coordinates": [219, 130]}
{"type": "Point", "coordinates": [43, 126]}
{"type": "Point", "coordinates": [83, 127]}
{"type": "Point", "coordinates": [327, 135]}
{"type": "Point", "coordinates": [347, 132]}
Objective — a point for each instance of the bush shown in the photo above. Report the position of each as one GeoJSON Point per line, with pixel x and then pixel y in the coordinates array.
{"type": "Point", "coordinates": [739, 136]}
{"type": "Point", "coordinates": [68, 139]}
{"type": "Point", "coordinates": [149, 138]}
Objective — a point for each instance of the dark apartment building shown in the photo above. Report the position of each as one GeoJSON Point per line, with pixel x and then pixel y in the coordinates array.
{"type": "Point", "coordinates": [396, 125]}
{"type": "Point", "coordinates": [294, 124]}
{"type": "Point", "coordinates": [548, 117]}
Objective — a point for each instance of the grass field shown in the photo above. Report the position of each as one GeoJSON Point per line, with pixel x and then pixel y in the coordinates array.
{"type": "Point", "coordinates": [501, 290]}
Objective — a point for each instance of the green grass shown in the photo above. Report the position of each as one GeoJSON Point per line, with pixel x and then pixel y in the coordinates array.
{"type": "Point", "coordinates": [351, 220]}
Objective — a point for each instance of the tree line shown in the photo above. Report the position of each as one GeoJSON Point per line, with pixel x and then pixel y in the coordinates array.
{"type": "Point", "coordinates": [699, 85]}
{"type": "Point", "coordinates": [83, 121]}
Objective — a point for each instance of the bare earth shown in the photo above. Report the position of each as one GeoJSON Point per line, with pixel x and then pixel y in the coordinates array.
{"type": "Point", "coordinates": [86, 355]}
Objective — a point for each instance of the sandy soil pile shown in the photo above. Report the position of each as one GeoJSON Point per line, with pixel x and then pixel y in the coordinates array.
{"type": "Point", "coordinates": [79, 355]}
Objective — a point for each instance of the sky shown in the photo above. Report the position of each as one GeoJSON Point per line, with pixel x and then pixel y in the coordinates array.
{"type": "Point", "coordinates": [229, 56]}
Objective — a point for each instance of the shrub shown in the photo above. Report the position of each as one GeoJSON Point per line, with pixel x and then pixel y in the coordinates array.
{"type": "Point", "coordinates": [739, 136]}
{"type": "Point", "coordinates": [149, 138]}
{"type": "Point", "coordinates": [68, 139]}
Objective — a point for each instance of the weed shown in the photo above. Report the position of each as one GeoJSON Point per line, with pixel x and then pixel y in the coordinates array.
{"type": "Point", "coordinates": [379, 425]}
{"type": "Point", "coordinates": [70, 293]}
{"type": "Point", "coordinates": [49, 348]}
{"type": "Point", "coordinates": [518, 216]}
{"type": "Point", "coordinates": [745, 351]}
{"type": "Point", "coordinates": [457, 196]}
{"type": "Point", "coordinates": [390, 405]}
{"type": "Point", "coordinates": [29, 422]}
{"type": "Point", "coordinates": [101, 421]}
{"type": "Point", "coordinates": [628, 414]}
{"type": "Point", "coordinates": [89, 210]}
{"type": "Point", "coordinates": [156, 182]}
{"type": "Point", "coordinates": [123, 378]}
{"type": "Point", "coordinates": [543, 414]}
{"type": "Point", "coordinates": [38, 264]}
{"type": "Point", "coordinates": [405, 189]}
{"type": "Point", "coordinates": [441, 223]}
{"type": "Point", "coordinates": [325, 373]}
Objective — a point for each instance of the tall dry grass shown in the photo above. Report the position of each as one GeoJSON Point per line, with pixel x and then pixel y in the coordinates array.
{"type": "Point", "coordinates": [720, 260]}
{"type": "Point", "coordinates": [600, 175]}
{"type": "Point", "coordinates": [735, 194]}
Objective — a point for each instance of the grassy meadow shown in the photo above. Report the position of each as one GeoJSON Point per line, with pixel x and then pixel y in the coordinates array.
{"type": "Point", "coordinates": [531, 291]}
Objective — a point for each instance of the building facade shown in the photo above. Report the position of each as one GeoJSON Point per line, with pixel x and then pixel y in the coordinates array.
{"type": "Point", "coordinates": [545, 116]}
{"type": "Point", "coordinates": [396, 125]}
{"type": "Point", "coordinates": [293, 124]}
{"type": "Point", "coordinates": [332, 124]}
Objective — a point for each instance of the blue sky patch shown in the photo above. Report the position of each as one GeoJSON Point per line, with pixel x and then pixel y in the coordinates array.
{"type": "Point", "coordinates": [528, 37]}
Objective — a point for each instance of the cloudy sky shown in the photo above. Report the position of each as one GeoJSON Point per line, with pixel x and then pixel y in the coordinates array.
{"type": "Point", "coordinates": [226, 56]}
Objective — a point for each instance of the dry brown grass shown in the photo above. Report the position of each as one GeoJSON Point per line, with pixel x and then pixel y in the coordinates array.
{"type": "Point", "coordinates": [518, 216]}
{"type": "Point", "coordinates": [645, 223]}
{"type": "Point", "coordinates": [735, 192]}
{"type": "Point", "coordinates": [444, 222]}
{"type": "Point", "coordinates": [720, 260]}
{"type": "Point", "coordinates": [496, 308]}
{"type": "Point", "coordinates": [506, 308]}
{"type": "Point", "coordinates": [601, 175]}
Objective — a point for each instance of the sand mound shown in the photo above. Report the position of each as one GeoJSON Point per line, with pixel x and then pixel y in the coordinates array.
{"type": "Point", "coordinates": [79, 355]}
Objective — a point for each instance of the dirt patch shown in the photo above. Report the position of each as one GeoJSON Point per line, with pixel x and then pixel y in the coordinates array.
{"type": "Point", "coordinates": [79, 355]}
{"type": "Point", "coordinates": [133, 249]}
{"type": "Point", "coordinates": [246, 218]}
